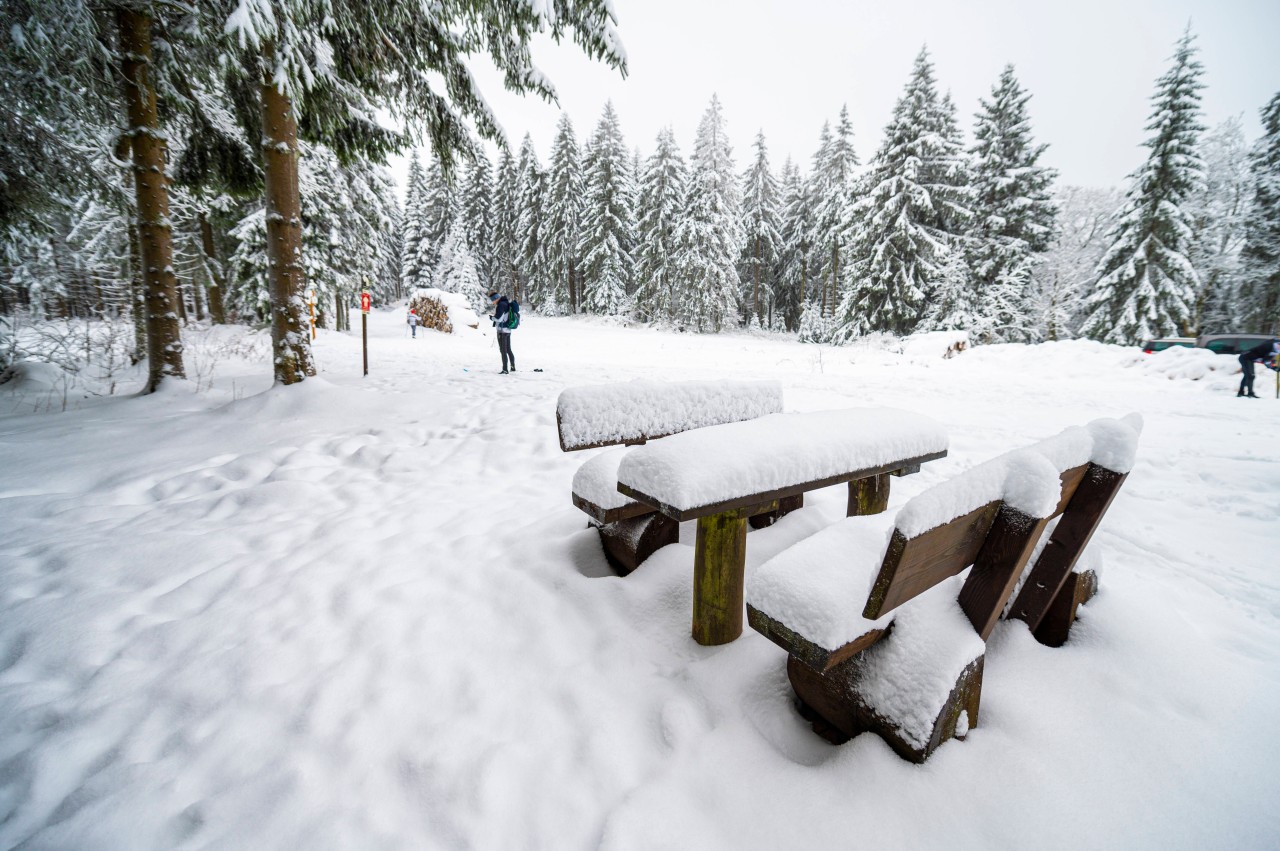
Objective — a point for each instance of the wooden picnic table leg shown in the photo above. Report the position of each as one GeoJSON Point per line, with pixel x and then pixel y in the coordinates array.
{"type": "Point", "coordinates": [719, 565]}
{"type": "Point", "coordinates": [869, 495]}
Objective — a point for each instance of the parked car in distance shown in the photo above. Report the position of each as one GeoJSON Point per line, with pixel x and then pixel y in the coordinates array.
{"type": "Point", "coordinates": [1162, 343]}
{"type": "Point", "coordinates": [1230, 344]}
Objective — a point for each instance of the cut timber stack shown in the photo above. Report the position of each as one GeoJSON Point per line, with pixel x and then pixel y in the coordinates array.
{"type": "Point", "coordinates": [432, 313]}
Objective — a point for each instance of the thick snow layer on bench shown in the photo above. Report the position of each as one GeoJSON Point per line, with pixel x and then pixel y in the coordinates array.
{"type": "Point", "coordinates": [1026, 479]}
{"type": "Point", "coordinates": [724, 462]}
{"type": "Point", "coordinates": [1022, 479]}
{"type": "Point", "coordinates": [630, 411]}
{"type": "Point", "coordinates": [1107, 442]}
{"type": "Point", "coordinates": [908, 676]}
{"type": "Point", "coordinates": [597, 480]}
{"type": "Point", "coordinates": [817, 588]}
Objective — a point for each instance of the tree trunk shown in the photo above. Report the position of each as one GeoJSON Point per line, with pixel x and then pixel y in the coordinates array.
{"type": "Point", "coordinates": [290, 340]}
{"type": "Point", "coordinates": [137, 295]}
{"type": "Point", "coordinates": [216, 309]}
{"type": "Point", "coordinates": [756, 297]}
{"type": "Point", "coordinates": [155, 236]}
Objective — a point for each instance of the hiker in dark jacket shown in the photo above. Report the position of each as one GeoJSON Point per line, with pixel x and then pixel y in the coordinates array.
{"type": "Point", "coordinates": [1264, 353]}
{"type": "Point", "coordinates": [501, 311]}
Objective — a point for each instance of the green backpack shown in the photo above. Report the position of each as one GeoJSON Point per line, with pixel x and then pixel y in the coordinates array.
{"type": "Point", "coordinates": [513, 314]}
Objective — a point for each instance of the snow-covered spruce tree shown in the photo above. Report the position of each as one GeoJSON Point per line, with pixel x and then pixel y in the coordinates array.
{"type": "Point", "coordinates": [457, 270]}
{"type": "Point", "coordinates": [563, 225]}
{"type": "Point", "coordinates": [1145, 284]}
{"type": "Point", "coordinates": [476, 211]}
{"type": "Point", "coordinates": [794, 288]}
{"type": "Point", "coordinates": [1014, 213]}
{"type": "Point", "coordinates": [659, 205]}
{"type": "Point", "coordinates": [1259, 299]}
{"type": "Point", "coordinates": [608, 229]}
{"type": "Point", "coordinates": [506, 222]}
{"type": "Point", "coordinates": [531, 280]}
{"type": "Point", "coordinates": [709, 237]}
{"type": "Point", "coordinates": [904, 227]}
{"type": "Point", "coordinates": [1218, 225]}
{"type": "Point", "coordinates": [834, 172]}
{"type": "Point", "coordinates": [330, 81]}
{"type": "Point", "coordinates": [762, 225]}
{"type": "Point", "coordinates": [411, 227]}
{"type": "Point", "coordinates": [73, 70]}
{"type": "Point", "coordinates": [441, 205]}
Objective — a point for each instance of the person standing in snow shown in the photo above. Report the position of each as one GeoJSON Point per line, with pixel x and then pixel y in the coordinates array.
{"type": "Point", "coordinates": [1264, 353]}
{"type": "Point", "coordinates": [501, 309]}
{"type": "Point", "coordinates": [413, 322]}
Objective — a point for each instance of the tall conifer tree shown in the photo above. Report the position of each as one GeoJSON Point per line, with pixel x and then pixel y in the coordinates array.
{"type": "Point", "coordinates": [1145, 284]}
{"type": "Point", "coordinates": [1259, 307]}
{"type": "Point", "coordinates": [608, 229]}
{"type": "Point", "coordinates": [709, 237]}
{"type": "Point", "coordinates": [762, 223]}
{"type": "Point", "coordinates": [659, 207]}
{"type": "Point", "coordinates": [903, 229]}
{"type": "Point", "coordinates": [1015, 215]}
{"type": "Point", "coordinates": [564, 220]}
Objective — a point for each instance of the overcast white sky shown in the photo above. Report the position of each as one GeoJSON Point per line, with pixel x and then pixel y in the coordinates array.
{"type": "Point", "coordinates": [786, 66]}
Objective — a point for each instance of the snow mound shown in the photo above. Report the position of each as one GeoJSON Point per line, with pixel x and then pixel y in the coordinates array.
{"type": "Point", "coordinates": [935, 344]}
{"type": "Point", "coordinates": [597, 414]}
{"type": "Point", "coordinates": [1186, 364]}
{"type": "Point", "coordinates": [28, 376]}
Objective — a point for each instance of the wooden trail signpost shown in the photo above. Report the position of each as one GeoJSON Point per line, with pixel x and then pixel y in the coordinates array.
{"type": "Point", "coordinates": [366, 301]}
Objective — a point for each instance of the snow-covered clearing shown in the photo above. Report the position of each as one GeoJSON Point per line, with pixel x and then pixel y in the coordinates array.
{"type": "Point", "coordinates": [363, 613]}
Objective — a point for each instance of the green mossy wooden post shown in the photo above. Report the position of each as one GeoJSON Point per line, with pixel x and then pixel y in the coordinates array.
{"type": "Point", "coordinates": [869, 495]}
{"type": "Point", "coordinates": [719, 563]}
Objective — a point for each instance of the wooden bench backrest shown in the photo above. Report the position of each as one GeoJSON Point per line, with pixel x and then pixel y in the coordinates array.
{"type": "Point", "coordinates": [914, 565]}
{"type": "Point", "coordinates": [631, 413]}
{"type": "Point", "coordinates": [997, 540]}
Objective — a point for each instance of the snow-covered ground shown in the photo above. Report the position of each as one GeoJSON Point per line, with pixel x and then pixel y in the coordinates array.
{"type": "Point", "coordinates": [363, 613]}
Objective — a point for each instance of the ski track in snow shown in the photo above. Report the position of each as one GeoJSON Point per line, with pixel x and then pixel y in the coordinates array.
{"type": "Point", "coordinates": [363, 613]}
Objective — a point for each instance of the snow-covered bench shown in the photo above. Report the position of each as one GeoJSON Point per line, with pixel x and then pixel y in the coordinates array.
{"type": "Point", "coordinates": [722, 475]}
{"type": "Point", "coordinates": [633, 413]}
{"type": "Point", "coordinates": [908, 664]}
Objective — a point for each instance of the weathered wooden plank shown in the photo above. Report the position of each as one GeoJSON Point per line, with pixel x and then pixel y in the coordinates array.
{"type": "Point", "coordinates": [815, 656]}
{"type": "Point", "coordinates": [719, 564]}
{"type": "Point", "coordinates": [785, 507]}
{"type": "Point", "coordinates": [694, 513]}
{"type": "Point", "coordinates": [1079, 521]}
{"type": "Point", "coordinates": [869, 495]}
{"type": "Point", "coordinates": [1055, 627]}
{"type": "Point", "coordinates": [612, 515]}
{"type": "Point", "coordinates": [627, 543]}
{"type": "Point", "coordinates": [996, 569]}
{"type": "Point", "coordinates": [833, 703]}
{"type": "Point", "coordinates": [913, 566]}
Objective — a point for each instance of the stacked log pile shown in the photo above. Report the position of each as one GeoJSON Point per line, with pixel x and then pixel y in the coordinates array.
{"type": "Point", "coordinates": [431, 313]}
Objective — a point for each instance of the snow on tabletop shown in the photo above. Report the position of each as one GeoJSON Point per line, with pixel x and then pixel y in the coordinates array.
{"type": "Point", "coordinates": [908, 677]}
{"type": "Point", "coordinates": [597, 480]}
{"type": "Point", "coordinates": [628, 411]}
{"type": "Point", "coordinates": [818, 587]}
{"type": "Point", "coordinates": [1022, 479]}
{"type": "Point", "coordinates": [724, 462]}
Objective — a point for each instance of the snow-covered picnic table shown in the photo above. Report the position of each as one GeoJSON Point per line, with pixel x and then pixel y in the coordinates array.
{"type": "Point", "coordinates": [721, 475]}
